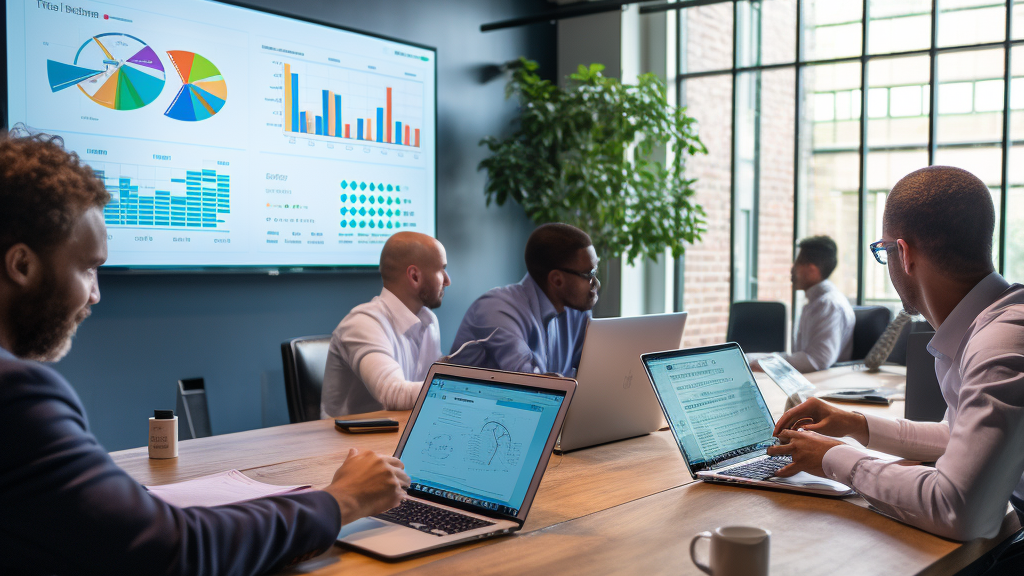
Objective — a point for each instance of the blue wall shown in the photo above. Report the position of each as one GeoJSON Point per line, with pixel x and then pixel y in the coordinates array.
{"type": "Point", "coordinates": [148, 331]}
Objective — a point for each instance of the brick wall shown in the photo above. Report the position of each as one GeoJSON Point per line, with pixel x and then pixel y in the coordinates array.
{"type": "Point", "coordinates": [707, 272]}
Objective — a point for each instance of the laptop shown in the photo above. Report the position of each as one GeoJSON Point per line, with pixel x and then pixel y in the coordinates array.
{"type": "Point", "coordinates": [614, 400]}
{"type": "Point", "coordinates": [721, 422]}
{"type": "Point", "coordinates": [476, 446]}
{"type": "Point", "coordinates": [924, 401]}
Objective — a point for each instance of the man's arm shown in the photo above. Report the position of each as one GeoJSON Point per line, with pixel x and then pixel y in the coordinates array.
{"type": "Point", "coordinates": [965, 496]}
{"type": "Point", "coordinates": [385, 380]}
{"type": "Point", "coordinates": [69, 509]}
{"type": "Point", "coordinates": [825, 341]}
{"type": "Point", "coordinates": [368, 350]}
{"type": "Point", "coordinates": [507, 334]}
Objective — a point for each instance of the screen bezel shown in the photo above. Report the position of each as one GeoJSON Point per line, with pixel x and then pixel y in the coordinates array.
{"type": "Point", "coordinates": [271, 269]}
{"type": "Point", "coordinates": [655, 356]}
{"type": "Point", "coordinates": [536, 382]}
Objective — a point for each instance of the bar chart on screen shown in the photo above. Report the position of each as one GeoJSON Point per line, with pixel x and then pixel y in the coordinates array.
{"type": "Point", "coordinates": [354, 106]}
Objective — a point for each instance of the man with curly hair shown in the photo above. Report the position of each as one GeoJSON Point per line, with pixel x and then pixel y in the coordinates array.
{"type": "Point", "coordinates": [65, 507]}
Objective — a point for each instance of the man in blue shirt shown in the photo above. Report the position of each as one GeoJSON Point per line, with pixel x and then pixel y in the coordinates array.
{"type": "Point", "coordinates": [538, 324]}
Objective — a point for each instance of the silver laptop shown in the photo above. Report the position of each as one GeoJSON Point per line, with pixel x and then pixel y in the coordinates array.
{"type": "Point", "coordinates": [614, 399]}
{"type": "Point", "coordinates": [720, 420]}
{"type": "Point", "coordinates": [476, 446]}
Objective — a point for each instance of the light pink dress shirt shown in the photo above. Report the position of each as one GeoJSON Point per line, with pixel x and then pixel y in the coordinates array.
{"type": "Point", "coordinates": [979, 449]}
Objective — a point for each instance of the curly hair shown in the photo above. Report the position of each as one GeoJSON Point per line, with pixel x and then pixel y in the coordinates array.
{"type": "Point", "coordinates": [44, 189]}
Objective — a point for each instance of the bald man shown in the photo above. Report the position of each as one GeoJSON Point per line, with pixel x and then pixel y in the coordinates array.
{"type": "Point", "coordinates": [381, 351]}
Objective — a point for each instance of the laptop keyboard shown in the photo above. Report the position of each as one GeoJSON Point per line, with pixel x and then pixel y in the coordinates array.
{"type": "Point", "coordinates": [431, 519]}
{"type": "Point", "coordinates": [760, 469]}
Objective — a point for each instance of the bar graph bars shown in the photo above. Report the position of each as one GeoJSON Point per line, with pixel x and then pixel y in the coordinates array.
{"type": "Point", "coordinates": [330, 122]}
{"type": "Point", "coordinates": [164, 197]}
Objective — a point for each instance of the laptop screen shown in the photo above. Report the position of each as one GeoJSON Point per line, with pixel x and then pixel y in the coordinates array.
{"type": "Point", "coordinates": [711, 403]}
{"type": "Point", "coordinates": [479, 442]}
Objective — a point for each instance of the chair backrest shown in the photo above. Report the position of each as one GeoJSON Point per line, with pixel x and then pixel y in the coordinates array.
{"type": "Point", "coordinates": [867, 328]}
{"type": "Point", "coordinates": [305, 360]}
{"type": "Point", "coordinates": [193, 411]}
{"type": "Point", "coordinates": [757, 326]}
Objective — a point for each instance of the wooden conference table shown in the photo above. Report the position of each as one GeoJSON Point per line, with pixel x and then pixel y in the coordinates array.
{"type": "Point", "coordinates": [625, 507]}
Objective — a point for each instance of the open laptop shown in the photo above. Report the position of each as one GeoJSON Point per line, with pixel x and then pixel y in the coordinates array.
{"type": "Point", "coordinates": [720, 420]}
{"type": "Point", "coordinates": [476, 446]}
{"type": "Point", "coordinates": [614, 399]}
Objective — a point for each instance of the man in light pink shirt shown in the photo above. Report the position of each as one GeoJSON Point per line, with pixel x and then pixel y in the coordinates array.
{"type": "Point", "coordinates": [937, 240]}
{"type": "Point", "coordinates": [382, 350]}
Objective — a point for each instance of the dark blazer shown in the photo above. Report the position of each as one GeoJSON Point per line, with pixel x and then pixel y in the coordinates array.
{"type": "Point", "coordinates": [66, 508]}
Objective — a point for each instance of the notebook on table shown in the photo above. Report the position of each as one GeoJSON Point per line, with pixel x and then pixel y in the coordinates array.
{"type": "Point", "coordinates": [720, 421]}
{"type": "Point", "coordinates": [476, 446]}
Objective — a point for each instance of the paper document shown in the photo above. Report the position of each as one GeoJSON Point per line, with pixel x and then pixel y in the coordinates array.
{"type": "Point", "coordinates": [218, 489]}
{"type": "Point", "coordinates": [471, 349]}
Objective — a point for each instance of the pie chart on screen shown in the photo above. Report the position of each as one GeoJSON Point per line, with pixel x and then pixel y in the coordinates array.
{"type": "Point", "coordinates": [114, 70]}
{"type": "Point", "coordinates": [203, 91]}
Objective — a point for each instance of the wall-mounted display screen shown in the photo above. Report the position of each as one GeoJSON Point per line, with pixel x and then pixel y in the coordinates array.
{"type": "Point", "coordinates": [230, 137]}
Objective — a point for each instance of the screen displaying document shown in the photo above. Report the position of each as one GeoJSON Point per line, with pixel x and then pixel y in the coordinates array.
{"type": "Point", "coordinates": [712, 404]}
{"type": "Point", "coordinates": [479, 442]}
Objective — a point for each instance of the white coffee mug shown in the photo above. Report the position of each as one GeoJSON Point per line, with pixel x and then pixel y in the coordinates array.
{"type": "Point", "coordinates": [735, 551]}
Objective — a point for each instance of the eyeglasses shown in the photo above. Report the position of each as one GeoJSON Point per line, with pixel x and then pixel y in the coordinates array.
{"type": "Point", "coordinates": [588, 276]}
{"type": "Point", "coordinates": [880, 250]}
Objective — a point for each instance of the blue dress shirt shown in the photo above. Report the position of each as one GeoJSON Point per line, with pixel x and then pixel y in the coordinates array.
{"type": "Point", "coordinates": [526, 333]}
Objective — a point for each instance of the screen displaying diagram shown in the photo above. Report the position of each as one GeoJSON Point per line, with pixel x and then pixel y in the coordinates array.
{"type": "Point", "coordinates": [229, 137]}
{"type": "Point", "coordinates": [480, 441]}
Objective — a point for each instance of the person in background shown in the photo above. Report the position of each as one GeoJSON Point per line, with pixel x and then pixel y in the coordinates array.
{"type": "Point", "coordinates": [65, 506]}
{"type": "Point", "coordinates": [382, 350]}
{"type": "Point", "coordinates": [937, 241]}
{"type": "Point", "coordinates": [538, 324]}
{"type": "Point", "coordinates": [825, 334]}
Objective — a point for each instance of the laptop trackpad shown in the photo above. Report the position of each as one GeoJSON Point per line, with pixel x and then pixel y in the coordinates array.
{"type": "Point", "coordinates": [364, 525]}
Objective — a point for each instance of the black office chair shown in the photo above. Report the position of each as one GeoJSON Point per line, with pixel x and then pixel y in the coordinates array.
{"type": "Point", "coordinates": [757, 326]}
{"type": "Point", "coordinates": [305, 360]}
{"type": "Point", "coordinates": [867, 328]}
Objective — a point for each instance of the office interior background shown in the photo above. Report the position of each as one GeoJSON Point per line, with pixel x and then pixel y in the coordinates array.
{"type": "Point", "coordinates": [810, 109]}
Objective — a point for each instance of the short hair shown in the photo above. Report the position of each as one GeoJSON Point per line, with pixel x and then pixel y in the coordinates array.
{"type": "Point", "coordinates": [44, 189]}
{"type": "Point", "coordinates": [820, 251]}
{"type": "Point", "coordinates": [947, 214]}
{"type": "Point", "coordinates": [552, 246]}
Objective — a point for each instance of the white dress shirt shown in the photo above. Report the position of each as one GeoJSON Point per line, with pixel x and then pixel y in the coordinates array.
{"type": "Point", "coordinates": [379, 355]}
{"type": "Point", "coordinates": [979, 449]}
{"type": "Point", "coordinates": [825, 335]}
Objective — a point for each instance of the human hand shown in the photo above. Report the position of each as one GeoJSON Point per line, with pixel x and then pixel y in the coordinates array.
{"type": "Point", "coordinates": [807, 449]}
{"type": "Point", "coordinates": [368, 483]}
{"type": "Point", "coordinates": [818, 416]}
{"type": "Point", "coordinates": [755, 366]}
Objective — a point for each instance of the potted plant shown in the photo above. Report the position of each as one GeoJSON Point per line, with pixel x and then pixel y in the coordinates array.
{"type": "Point", "coordinates": [583, 155]}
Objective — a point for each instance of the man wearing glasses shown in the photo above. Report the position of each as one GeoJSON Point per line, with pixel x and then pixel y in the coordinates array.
{"type": "Point", "coordinates": [937, 242]}
{"type": "Point", "coordinates": [825, 335]}
{"type": "Point", "coordinates": [538, 324]}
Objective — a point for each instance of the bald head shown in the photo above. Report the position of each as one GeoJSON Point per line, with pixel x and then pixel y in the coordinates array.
{"type": "Point", "coordinates": [412, 266]}
{"type": "Point", "coordinates": [947, 214]}
{"type": "Point", "coordinates": [405, 249]}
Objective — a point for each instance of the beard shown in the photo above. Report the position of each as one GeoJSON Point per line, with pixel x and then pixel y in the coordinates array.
{"type": "Point", "coordinates": [908, 294]}
{"type": "Point", "coordinates": [43, 323]}
{"type": "Point", "coordinates": [583, 302]}
{"type": "Point", "coordinates": [431, 297]}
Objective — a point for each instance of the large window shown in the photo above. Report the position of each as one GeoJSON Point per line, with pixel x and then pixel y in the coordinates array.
{"type": "Point", "coordinates": [816, 108]}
